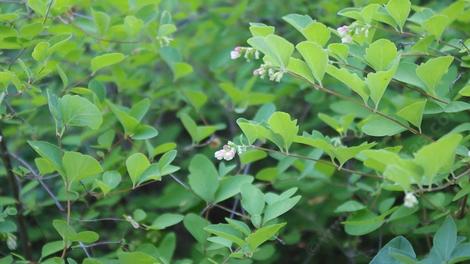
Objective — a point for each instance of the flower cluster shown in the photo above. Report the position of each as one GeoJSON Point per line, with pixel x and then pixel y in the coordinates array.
{"type": "Point", "coordinates": [346, 33]}
{"type": "Point", "coordinates": [273, 73]}
{"type": "Point", "coordinates": [410, 200]}
{"type": "Point", "coordinates": [229, 151]}
{"type": "Point", "coordinates": [247, 52]}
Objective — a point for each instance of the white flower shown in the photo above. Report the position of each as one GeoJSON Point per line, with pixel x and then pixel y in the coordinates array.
{"type": "Point", "coordinates": [410, 200]}
{"type": "Point", "coordinates": [227, 153]}
{"type": "Point", "coordinates": [259, 72]}
{"type": "Point", "coordinates": [467, 153]}
{"type": "Point", "coordinates": [11, 242]}
{"type": "Point", "coordinates": [236, 53]}
{"type": "Point", "coordinates": [343, 31]}
{"type": "Point", "coordinates": [346, 39]}
{"type": "Point", "coordinates": [132, 221]}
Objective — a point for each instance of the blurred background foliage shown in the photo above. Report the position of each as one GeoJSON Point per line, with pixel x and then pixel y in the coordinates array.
{"type": "Point", "coordinates": [177, 56]}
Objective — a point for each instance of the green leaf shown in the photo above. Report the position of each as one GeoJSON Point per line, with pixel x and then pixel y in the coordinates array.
{"type": "Point", "coordinates": [378, 126]}
{"type": "Point", "coordinates": [260, 29]}
{"type": "Point", "coordinates": [436, 25]}
{"type": "Point", "coordinates": [397, 245]}
{"type": "Point", "coordinates": [64, 230]}
{"type": "Point", "coordinates": [102, 21]}
{"type": "Point", "coordinates": [196, 132]}
{"type": "Point", "coordinates": [165, 220]}
{"type": "Point", "coordinates": [413, 112]}
{"type": "Point", "coordinates": [279, 208]}
{"type": "Point", "coordinates": [136, 164]}
{"type": "Point", "coordinates": [399, 11]}
{"type": "Point", "coordinates": [78, 111]}
{"type": "Point", "coordinates": [51, 248]}
{"type": "Point", "coordinates": [226, 231]}
{"type": "Point", "coordinates": [41, 51]}
{"type": "Point", "coordinates": [310, 29]}
{"type": "Point", "coordinates": [300, 68]}
{"type": "Point", "coordinates": [230, 186]}
{"type": "Point", "coordinates": [431, 163]}
{"type": "Point", "coordinates": [253, 202]}
{"type": "Point", "coordinates": [203, 177]}
{"type": "Point", "coordinates": [351, 80]}
{"type": "Point", "coordinates": [349, 206]}
{"type": "Point", "coordinates": [86, 237]}
{"type": "Point", "coordinates": [432, 71]}
{"type": "Point", "coordinates": [196, 98]}
{"type": "Point", "coordinates": [380, 54]}
{"type": "Point", "coordinates": [339, 50]}
{"type": "Point", "coordinates": [362, 222]}
{"type": "Point", "coordinates": [50, 152]}
{"type": "Point", "coordinates": [105, 60]}
{"type": "Point", "coordinates": [315, 57]}
{"type": "Point", "coordinates": [465, 91]}
{"type": "Point", "coordinates": [136, 257]}
{"type": "Point", "coordinates": [78, 166]}
{"type": "Point", "coordinates": [276, 49]}
{"type": "Point", "coordinates": [281, 124]}
{"type": "Point", "coordinates": [195, 225]}
{"type": "Point", "coordinates": [252, 156]}
{"type": "Point", "coordinates": [252, 130]}
{"type": "Point", "coordinates": [445, 239]}
{"type": "Point", "coordinates": [377, 82]}
{"type": "Point", "coordinates": [262, 235]}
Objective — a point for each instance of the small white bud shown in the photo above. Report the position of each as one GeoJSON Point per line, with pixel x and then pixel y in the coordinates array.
{"type": "Point", "coordinates": [410, 200]}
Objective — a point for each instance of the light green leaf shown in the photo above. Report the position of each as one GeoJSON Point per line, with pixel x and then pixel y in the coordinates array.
{"type": "Point", "coordinates": [413, 112]}
{"type": "Point", "coordinates": [399, 11]}
{"type": "Point", "coordinates": [262, 235]}
{"type": "Point", "coordinates": [230, 186]}
{"type": "Point", "coordinates": [195, 225]}
{"type": "Point", "coordinates": [281, 124]}
{"type": "Point", "coordinates": [315, 57]}
{"type": "Point", "coordinates": [350, 206]}
{"type": "Point", "coordinates": [78, 166]}
{"type": "Point", "coordinates": [203, 177]}
{"type": "Point", "coordinates": [378, 126]}
{"type": "Point", "coordinates": [436, 25]}
{"type": "Point", "coordinates": [105, 60]}
{"type": "Point", "coordinates": [50, 152]}
{"type": "Point", "coordinates": [432, 71]}
{"type": "Point", "coordinates": [78, 111]}
{"type": "Point", "coordinates": [136, 257]}
{"type": "Point", "coordinates": [253, 202]}
{"type": "Point", "coordinates": [136, 164]}
{"type": "Point", "coordinates": [351, 80]}
{"type": "Point", "coordinates": [442, 163]}
{"type": "Point", "coordinates": [276, 49]}
{"type": "Point", "coordinates": [377, 82]}
{"type": "Point", "coordinates": [380, 54]}
{"type": "Point", "coordinates": [165, 220]}
{"type": "Point", "coordinates": [279, 208]}
{"type": "Point", "coordinates": [226, 231]}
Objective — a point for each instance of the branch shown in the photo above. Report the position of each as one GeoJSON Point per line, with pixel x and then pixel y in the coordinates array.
{"type": "Point", "coordinates": [39, 179]}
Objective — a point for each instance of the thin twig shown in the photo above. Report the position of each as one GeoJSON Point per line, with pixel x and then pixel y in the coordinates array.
{"type": "Point", "coordinates": [39, 179]}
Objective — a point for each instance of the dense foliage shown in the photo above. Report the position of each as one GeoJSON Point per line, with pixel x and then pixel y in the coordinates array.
{"type": "Point", "coordinates": [148, 131]}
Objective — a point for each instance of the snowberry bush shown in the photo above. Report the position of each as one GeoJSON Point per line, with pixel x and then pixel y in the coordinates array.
{"type": "Point", "coordinates": [149, 131]}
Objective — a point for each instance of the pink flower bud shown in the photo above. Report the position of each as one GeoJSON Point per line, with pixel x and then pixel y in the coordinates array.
{"type": "Point", "coordinates": [343, 30]}
{"type": "Point", "coordinates": [236, 53]}
{"type": "Point", "coordinates": [219, 154]}
{"type": "Point", "coordinates": [229, 155]}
